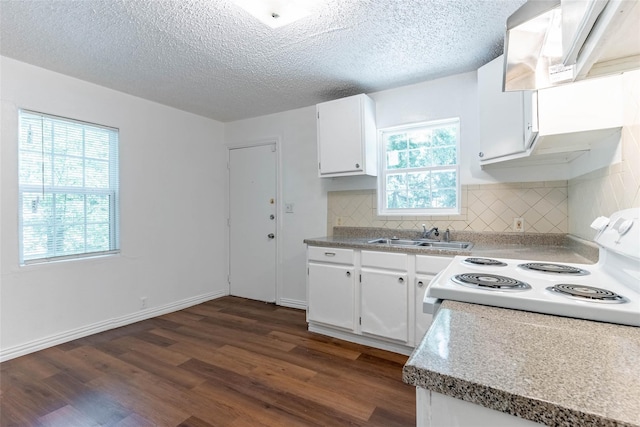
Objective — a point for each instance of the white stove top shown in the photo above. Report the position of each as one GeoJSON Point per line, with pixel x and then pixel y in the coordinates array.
{"type": "Point", "coordinates": [538, 298]}
{"type": "Point", "coordinates": [618, 271]}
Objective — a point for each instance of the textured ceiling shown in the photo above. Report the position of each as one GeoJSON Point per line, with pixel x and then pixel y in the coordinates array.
{"type": "Point", "coordinates": [214, 59]}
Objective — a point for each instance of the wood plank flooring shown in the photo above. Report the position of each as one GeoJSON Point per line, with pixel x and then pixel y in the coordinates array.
{"type": "Point", "coordinates": [227, 362]}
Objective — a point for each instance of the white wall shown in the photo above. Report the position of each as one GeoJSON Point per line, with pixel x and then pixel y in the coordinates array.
{"type": "Point", "coordinates": [172, 170]}
{"type": "Point", "coordinates": [300, 185]}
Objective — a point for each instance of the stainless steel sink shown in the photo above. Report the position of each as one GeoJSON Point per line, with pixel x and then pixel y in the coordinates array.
{"type": "Point", "coordinates": [396, 242]}
{"type": "Point", "coordinates": [448, 245]}
{"type": "Point", "coordinates": [423, 243]}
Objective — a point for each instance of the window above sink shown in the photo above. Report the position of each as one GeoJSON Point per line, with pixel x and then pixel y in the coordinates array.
{"type": "Point", "coordinates": [419, 169]}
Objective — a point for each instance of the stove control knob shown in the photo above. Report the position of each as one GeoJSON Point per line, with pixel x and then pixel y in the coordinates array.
{"type": "Point", "coordinates": [600, 223]}
{"type": "Point", "coordinates": [625, 226]}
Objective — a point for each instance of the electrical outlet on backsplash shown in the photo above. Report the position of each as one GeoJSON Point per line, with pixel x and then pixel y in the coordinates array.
{"type": "Point", "coordinates": [542, 206]}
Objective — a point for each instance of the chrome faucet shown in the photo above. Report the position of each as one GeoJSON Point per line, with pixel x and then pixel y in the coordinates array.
{"type": "Point", "coordinates": [427, 234]}
{"type": "Point", "coordinates": [447, 236]}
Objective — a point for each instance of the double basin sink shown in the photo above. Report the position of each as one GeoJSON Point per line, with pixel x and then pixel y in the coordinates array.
{"type": "Point", "coordinates": [423, 243]}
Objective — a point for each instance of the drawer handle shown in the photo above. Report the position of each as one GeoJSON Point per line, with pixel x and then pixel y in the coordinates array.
{"type": "Point", "coordinates": [420, 284]}
{"type": "Point", "coordinates": [400, 280]}
{"type": "Point", "coordinates": [330, 253]}
{"type": "Point", "coordinates": [348, 274]}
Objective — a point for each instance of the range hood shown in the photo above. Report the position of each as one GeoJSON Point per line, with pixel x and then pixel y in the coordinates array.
{"type": "Point", "coordinates": [552, 42]}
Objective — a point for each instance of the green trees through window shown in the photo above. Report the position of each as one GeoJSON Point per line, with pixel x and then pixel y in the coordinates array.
{"type": "Point", "coordinates": [68, 187]}
{"type": "Point", "coordinates": [419, 169]}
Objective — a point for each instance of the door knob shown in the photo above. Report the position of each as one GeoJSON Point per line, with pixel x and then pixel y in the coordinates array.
{"type": "Point", "coordinates": [271, 235]}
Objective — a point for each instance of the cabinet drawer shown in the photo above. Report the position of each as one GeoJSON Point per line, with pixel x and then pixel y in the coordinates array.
{"type": "Point", "coordinates": [388, 260]}
{"type": "Point", "coordinates": [431, 264]}
{"type": "Point", "coordinates": [333, 255]}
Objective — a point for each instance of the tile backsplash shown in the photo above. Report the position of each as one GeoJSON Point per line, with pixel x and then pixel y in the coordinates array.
{"type": "Point", "coordinates": [488, 207]}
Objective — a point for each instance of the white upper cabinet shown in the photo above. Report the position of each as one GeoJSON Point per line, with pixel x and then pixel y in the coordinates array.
{"type": "Point", "coordinates": [581, 106]}
{"type": "Point", "coordinates": [559, 122]}
{"type": "Point", "coordinates": [508, 121]}
{"type": "Point", "coordinates": [347, 137]}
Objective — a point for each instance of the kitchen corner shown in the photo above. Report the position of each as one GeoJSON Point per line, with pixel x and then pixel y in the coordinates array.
{"type": "Point", "coordinates": [549, 343]}
{"type": "Point", "coordinates": [478, 363]}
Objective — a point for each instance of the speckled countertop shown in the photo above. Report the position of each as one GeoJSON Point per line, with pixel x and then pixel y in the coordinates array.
{"type": "Point", "coordinates": [552, 370]}
{"type": "Point", "coordinates": [533, 247]}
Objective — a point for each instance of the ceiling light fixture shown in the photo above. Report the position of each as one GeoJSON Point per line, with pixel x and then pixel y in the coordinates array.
{"type": "Point", "coordinates": [277, 13]}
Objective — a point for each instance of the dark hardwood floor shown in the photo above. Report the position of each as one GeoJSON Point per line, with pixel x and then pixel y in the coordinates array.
{"type": "Point", "coordinates": [227, 362]}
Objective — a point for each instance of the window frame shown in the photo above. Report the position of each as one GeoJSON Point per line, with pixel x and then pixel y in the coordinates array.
{"type": "Point", "coordinates": [112, 191]}
{"type": "Point", "coordinates": [383, 210]}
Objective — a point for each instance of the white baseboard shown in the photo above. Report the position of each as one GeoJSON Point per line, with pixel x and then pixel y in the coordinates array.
{"type": "Point", "coordinates": [360, 339]}
{"type": "Point", "coordinates": [50, 341]}
{"type": "Point", "coordinates": [293, 303]}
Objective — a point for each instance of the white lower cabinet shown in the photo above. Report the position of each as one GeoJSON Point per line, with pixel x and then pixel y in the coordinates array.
{"type": "Point", "coordinates": [383, 301]}
{"type": "Point", "coordinates": [331, 287]}
{"type": "Point", "coordinates": [370, 297]}
{"type": "Point", "coordinates": [384, 279]}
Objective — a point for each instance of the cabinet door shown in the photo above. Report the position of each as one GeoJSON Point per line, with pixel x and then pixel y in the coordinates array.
{"type": "Point", "coordinates": [423, 320]}
{"type": "Point", "coordinates": [340, 136]}
{"type": "Point", "coordinates": [331, 294]}
{"type": "Point", "coordinates": [384, 304]}
{"type": "Point", "coordinates": [582, 106]}
{"type": "Point", "coordinates": [502, 123]}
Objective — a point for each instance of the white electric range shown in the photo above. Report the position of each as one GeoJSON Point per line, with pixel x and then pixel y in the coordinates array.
{"type": "Point", "coordinates": [608, 291]}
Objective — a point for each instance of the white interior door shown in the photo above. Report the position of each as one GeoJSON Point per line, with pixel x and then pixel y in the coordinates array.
{"type": "Point", "coordinates": [252, 227]}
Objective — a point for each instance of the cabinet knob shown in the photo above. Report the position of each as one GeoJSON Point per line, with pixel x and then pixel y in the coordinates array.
{"type": "Point", "coordinates": [481, 154]}
{"type": "Point", "coordinates": [271, 235]}
{"type": "Point", "coordinates": [357, 165]}
{"type": "Point", "coordinates": [348, 274]}
{"type": "Point", "coordinates": [400, 280]}
{"type": "Point", "coordinates": [420, 284]}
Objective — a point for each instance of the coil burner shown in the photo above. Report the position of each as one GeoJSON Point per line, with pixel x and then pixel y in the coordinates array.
{"type": "Point", "coordinates": [587, 293]}
{"type": "Point", "coordinates": [490, 282]}
{"type": "Point", "coordinates": [554, 268]}
{"type": "Point", "coordinates": [485, 261]}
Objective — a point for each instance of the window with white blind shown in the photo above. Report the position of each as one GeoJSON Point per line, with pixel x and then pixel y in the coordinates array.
{"type": "Point", "coordinates": [419, 171]}
{"type": "Point", "coordinates": [68, 188]}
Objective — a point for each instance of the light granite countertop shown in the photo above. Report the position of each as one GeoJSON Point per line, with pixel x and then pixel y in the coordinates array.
{"type": "Point", "coordinates": [553, 370]}
{"type": "Point", "coordinates": [532, 247]}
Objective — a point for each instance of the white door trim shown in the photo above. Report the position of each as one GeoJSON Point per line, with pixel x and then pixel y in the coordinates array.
{"type": "Point", "coordinates": [279, 207]}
